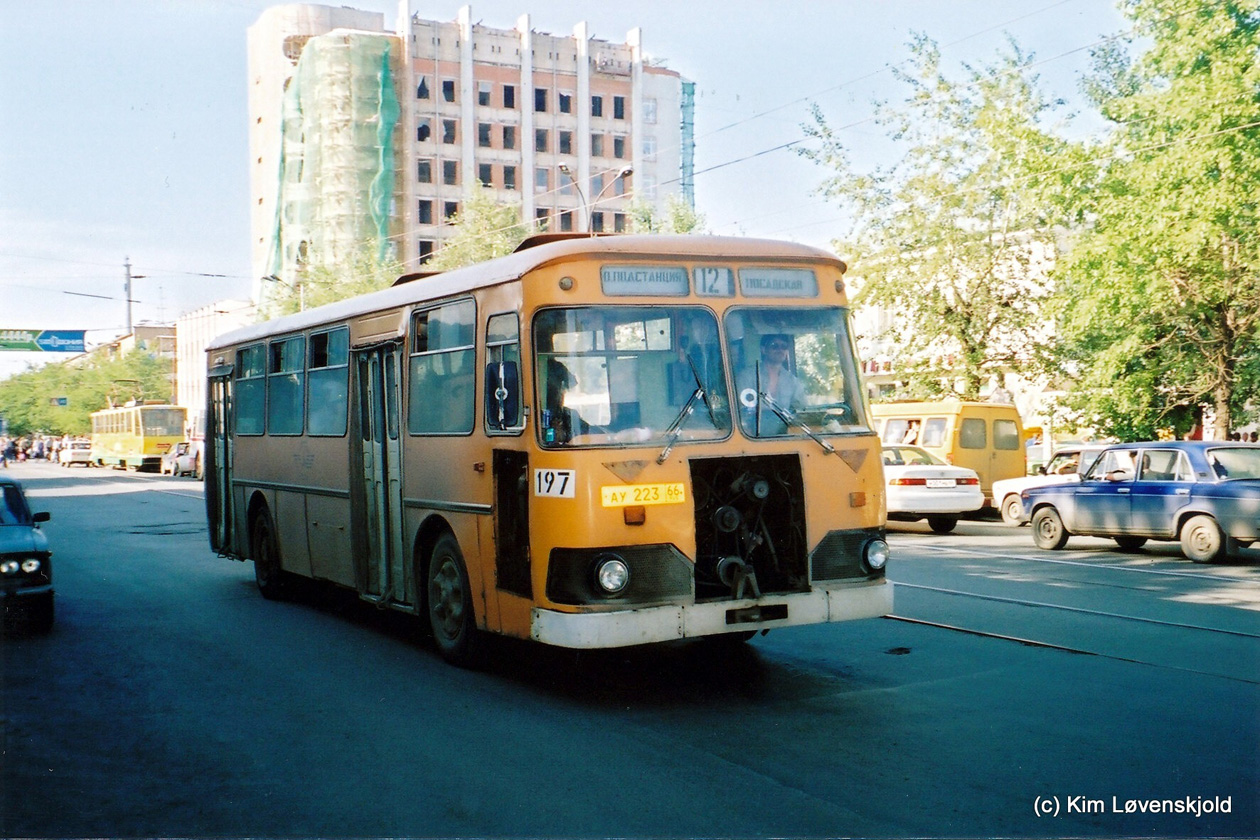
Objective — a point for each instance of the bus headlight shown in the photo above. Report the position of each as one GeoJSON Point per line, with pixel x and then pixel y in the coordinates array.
{"type": "Point", "coordinates": [875, 555]}
{"type": "Point", "coordinates": [611, 574]}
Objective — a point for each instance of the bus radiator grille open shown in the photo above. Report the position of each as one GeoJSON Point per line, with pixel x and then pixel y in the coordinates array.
{"type": "Point", "coordinates": [750, 527]}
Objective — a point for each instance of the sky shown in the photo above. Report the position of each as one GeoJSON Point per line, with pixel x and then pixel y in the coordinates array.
{"type": "Point", "coordinates": [123, 125]}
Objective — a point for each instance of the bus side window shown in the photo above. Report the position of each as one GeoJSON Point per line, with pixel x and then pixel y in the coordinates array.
{"type": "Point", "coordinates": [973, 434]}
{"type": "Point", "coordinates": [441, 392]}
{"type": "Point", "coordinates": [934, 431]}
{"type": "Point", "coordinates": [503, 365]}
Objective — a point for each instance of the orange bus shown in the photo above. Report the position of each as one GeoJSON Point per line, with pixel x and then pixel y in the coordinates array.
{"type": "Point", "coordinates": [592, 442]}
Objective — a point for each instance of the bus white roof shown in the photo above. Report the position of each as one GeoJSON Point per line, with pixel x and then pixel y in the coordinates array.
{"type": "Point", "coordinates": [515, 265]}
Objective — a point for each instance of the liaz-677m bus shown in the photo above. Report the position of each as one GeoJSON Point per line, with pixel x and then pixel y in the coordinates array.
{"type": "Point", "coordinates": [591, 442]}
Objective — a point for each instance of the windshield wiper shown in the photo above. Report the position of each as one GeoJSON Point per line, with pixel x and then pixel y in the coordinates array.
{"type": "Point", "coordinates": [675, 428]}
{"type": "Point", "coordinates": [789, 419]}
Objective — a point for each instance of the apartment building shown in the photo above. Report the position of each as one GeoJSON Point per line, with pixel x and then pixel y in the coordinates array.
{"type": "Point", "coordinates": [359, 134]}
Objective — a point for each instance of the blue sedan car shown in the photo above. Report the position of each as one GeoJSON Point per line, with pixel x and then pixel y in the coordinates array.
{"type": "Point", "coordinates": [1204, 493]}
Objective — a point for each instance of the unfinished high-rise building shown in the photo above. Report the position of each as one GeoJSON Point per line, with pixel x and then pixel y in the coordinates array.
{"type": "Point", "coordinates": [365, 138]}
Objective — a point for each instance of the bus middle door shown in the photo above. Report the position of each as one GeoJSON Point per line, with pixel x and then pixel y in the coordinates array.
{"type": "Point", "coordinates": [378, 484]}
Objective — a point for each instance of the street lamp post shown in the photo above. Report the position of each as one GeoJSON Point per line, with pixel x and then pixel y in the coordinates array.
{"type": "Point", "coordinates": [589, 207]}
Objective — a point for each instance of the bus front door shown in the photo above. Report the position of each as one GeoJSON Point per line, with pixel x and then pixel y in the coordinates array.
{"type": "Point", "coordinates": [217, 461]}
{"type": "Point", "coordinates": [378, 483]}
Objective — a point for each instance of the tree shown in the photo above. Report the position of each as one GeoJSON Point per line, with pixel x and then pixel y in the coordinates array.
{"type": "Point", "coordinates": [679, 217]}
{"type": "Point", "coordinates": [953, 238]}
{"type": "Point", "coordinates": [485, 229]}
{"type": "Point", "coordinates": [1160, 302]}
{"type": "Point", "coordinates": [365, 271]}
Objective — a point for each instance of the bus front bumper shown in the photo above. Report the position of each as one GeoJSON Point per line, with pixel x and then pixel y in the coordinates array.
{"type": "Point", "coordinates": [623, 628]}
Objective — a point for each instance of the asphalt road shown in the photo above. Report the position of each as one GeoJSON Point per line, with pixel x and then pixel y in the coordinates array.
{"type": "Point", "coordinates": [1015, 693]}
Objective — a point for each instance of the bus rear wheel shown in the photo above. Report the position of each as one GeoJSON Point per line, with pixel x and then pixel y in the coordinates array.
{"type": "Point", "coordinates": [267, 571]}
{"type": "Point", "coordinates": [450, 606]}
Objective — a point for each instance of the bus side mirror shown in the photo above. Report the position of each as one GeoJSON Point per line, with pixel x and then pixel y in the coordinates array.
{"type": "Point", "coordinates": [503, 395]}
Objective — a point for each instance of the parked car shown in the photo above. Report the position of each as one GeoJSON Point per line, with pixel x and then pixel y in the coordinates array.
{"type": "Point", "coordinates": [75, 452]}
{"type": "Point", "coordinates": [1067, 465]}
{"type": "Point", "coordinates": [920, 485]}
{"type": "Point", "coordinates": [1204, 493]}
{"type": "Point", "coordinates": [180, 459]}
{"type": "Point", "coordinates": [25, 561]}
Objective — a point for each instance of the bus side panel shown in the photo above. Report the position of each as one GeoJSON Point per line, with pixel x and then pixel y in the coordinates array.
{"type": "Point", "coordinates": [328, 521]}
{"type": "Point", "coordinates": [290, 521]}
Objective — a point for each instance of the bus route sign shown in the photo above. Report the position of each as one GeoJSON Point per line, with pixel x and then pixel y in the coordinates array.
{"type": "Point", "coordinates": [43, 341]}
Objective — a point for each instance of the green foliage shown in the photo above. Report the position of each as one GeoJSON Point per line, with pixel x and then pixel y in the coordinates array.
{"type": "Point", "coordinates": [366, 271]}
{"type": "Point", "coordinates": [679, 217]}
{"type": "Point", "coordinates": [88, 384]}
{"type": "Point", "coordinates": [485, 229]}
{"type": "Point", "coordinates": [1159, 303]}
{"type": "Point", "coordinates": [954, 237]}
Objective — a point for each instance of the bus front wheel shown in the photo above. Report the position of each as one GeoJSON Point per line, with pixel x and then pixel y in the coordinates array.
{"type": "Point", "coordinates": [450, 604]}
{"type": "Point", "coordinates": [267, 571]}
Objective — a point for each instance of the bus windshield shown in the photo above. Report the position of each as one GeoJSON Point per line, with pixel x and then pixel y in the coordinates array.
{"type": "Point", "coordinates": [630, 375]}
{"type": "Point", "coordinates": [795, 371]}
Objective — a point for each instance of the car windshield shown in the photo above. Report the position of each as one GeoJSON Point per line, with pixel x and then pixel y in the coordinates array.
{"type": "Point", "coordinates": [795, 371]}
{"type": "Point", "coordinates": [612, 375]}
{"type": "Point", "coordinates": [1235, 462]}
{"type": "Point", "coordinates": [13, 509]}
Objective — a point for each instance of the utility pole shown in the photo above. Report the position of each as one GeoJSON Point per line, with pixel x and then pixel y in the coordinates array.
{"type": "Point", "coordinates": [127, 289]}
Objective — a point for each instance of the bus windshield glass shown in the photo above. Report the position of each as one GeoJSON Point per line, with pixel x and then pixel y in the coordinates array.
{"type": "Point", "coordinates": [795, 371]}
{"type": "Point", "coordinates": [610, 375]}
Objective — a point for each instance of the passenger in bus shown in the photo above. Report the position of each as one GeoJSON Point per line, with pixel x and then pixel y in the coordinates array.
{"type": "Point", "coordinates": [773, 374]}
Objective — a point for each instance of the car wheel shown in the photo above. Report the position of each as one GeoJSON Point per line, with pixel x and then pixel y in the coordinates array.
{"type": "Point", "coordinates": [942, 524]}
{"type": "Point", "coordinates": [267, 571]}
{"type": "Point", "coordinates": [1012, 509]}
{"type": "Point", "coordinates": [450, 605]}
{"type": "Point", "coordinates": [1202, 540]}
{"type": "Point", "coordinates": [1130, 543]}
{"type": "Point", "coordinates": [1048, 530]}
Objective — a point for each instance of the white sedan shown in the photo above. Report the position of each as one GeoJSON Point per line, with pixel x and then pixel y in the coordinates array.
{"type": "Point", "coordinates": [921, 485]}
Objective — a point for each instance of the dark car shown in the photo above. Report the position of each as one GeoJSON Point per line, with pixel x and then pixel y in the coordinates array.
{"type": "Point", "coordinates": [25, 565]}
{"type": "Point", "coordinates": [1204, 493]}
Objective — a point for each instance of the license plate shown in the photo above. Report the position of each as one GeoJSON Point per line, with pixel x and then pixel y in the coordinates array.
{"type": "Point", "coordinates": [940, 482]}
{"type": "Point", "coordinates": [621, 495]}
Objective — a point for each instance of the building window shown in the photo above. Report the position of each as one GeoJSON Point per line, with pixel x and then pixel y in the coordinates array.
{"type": "Point", "coordinates": [564, 182]}
{"type": "Point", "coordinates": [448, 132]}
{"type": "Point", "coordinates": [649, 148]}
{"type": "Point", "coordinates": [565, 143]}
{"type": "Point", "coordinates": [450, 172]}
{"type": "Point", "coordinates": [566, 221]}
{"type": "Point", "coordinates": [448, 90]}
{"type": "Point", "coordinates": [597, 185]}
{"type": "Point", "coordinates": [484, 174]}
{"type": "Point", "coordinates": [619, 107]}
{"type": "Point", "coordinates": [426, 212]}
{"type": "Point", "coordinates": [540, 139]}
{"type": "Point", "coordinates": [619, 148]}
{"type": "Point", "coordinates": [424, 171]}
{"type": "Point", "coordinates": [597, 221]}
{"type": "Point", "coordinates": [509, 137]}
{"type": "Point", "coordinates": [509, 177]}
{"type": "Point", "coordinates": [542, 181]}
{"type": "Point", "coordinates": [483, 135]}
{"type": "Point", "coordinates": [424, 249]}
{"type": "Point", "coordinates": [509, 96]}
{"type": "Point", "coordinates": [597, 106]}
{"type": "Point", "coordinates": [483, 93]}
{"type": "Point", "coordinates": [565, 102]}
{"type": "Point", "coordinates": [649, 111]}
{"type": "Point", "coordinates": [619, 186]}
{"type": "Point", "coordinates": [424, 130]}
{"type": "Point", "coordinates": [540, 100]}
{"type": "Point", "coordinates": [449, 210]}
{"type": "Point", "coordinates": [648, 185]}
{"type": "Point", "coordinates": [597, 145]}
{"type": "Point", "coordinates": [619, 222]}
{"type": "Point", "coordinates": [422, 89]}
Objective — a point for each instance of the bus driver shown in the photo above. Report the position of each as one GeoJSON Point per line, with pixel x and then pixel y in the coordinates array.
{"type": "Point", "coordinates": [772, 377]}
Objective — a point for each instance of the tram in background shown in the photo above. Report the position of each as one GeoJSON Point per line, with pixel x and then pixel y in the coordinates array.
{"type": "Point", "coordinates": [591, 442]}
{"type": "Point", "coordinates": [137, 435]}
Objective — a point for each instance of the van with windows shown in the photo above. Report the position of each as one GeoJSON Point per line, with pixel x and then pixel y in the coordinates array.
{"type": "Point", "coordinates": [985, 437]}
